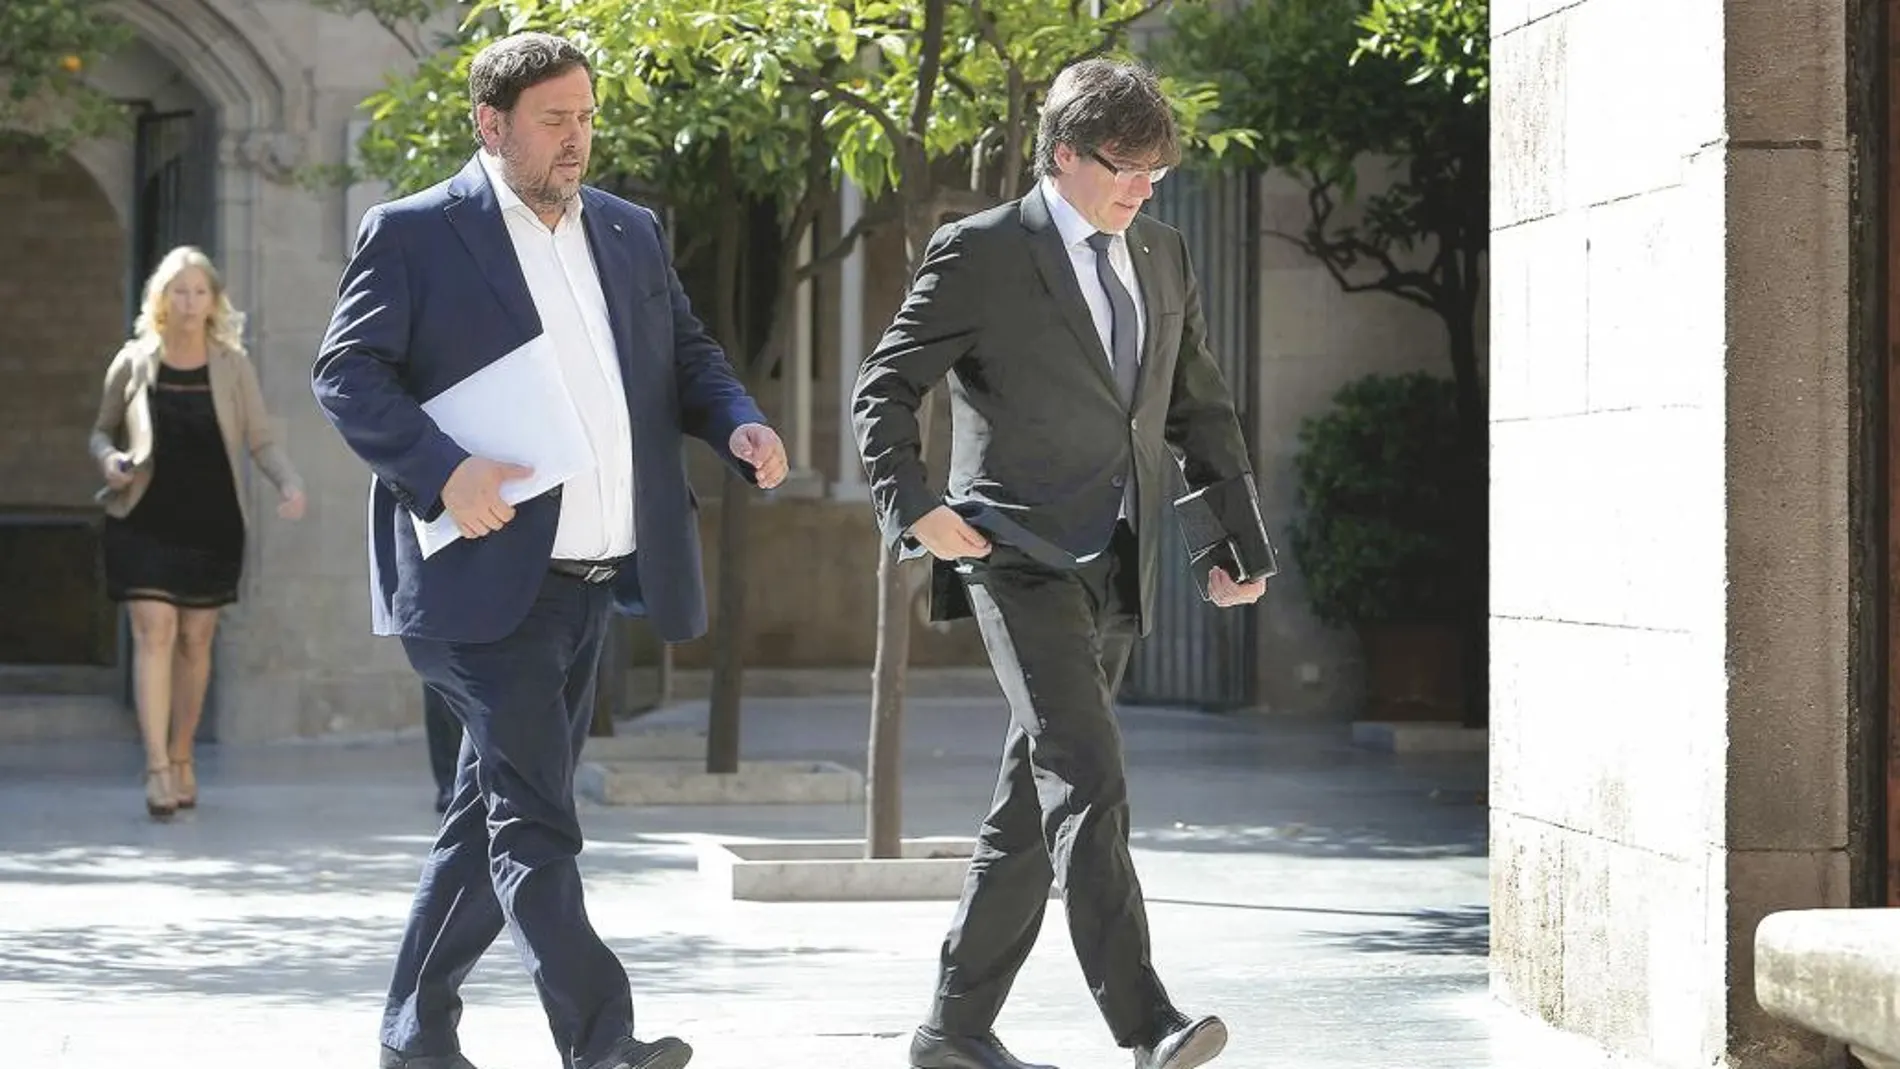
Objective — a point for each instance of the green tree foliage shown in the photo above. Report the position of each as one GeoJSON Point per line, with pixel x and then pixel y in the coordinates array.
{"type": "Point", "coordinates": [1331, 86]}
{"type": "Point", "coordinates": [46, 47]}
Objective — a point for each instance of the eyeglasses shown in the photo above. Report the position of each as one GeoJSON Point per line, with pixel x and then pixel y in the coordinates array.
{"type": "Point", "coordinates": [1155, 174]}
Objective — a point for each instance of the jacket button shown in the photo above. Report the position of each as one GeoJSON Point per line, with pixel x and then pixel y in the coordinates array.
{"type": "Point", "coordinates": [1119, 481]}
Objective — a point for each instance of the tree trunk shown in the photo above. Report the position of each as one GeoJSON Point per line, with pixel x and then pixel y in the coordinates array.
{"type": "Point", "coordinates": [722, 727]}
{"type": "Point", "coordinates": [729, 632]}
{"type": "Point", "coordinates": [884, 800]}
{"type": "Point", "coordinates": [897, 586]}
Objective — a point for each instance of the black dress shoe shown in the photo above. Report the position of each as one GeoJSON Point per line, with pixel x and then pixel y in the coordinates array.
{"type": "Point", "coordinates": [393, 1059]}
{"type": "Point", "coordinates": [1183, 1044]}
{"type": "Point", "coordinates": [666, 1053]}
{"type": "Point", "coordinates": [931, 1049]}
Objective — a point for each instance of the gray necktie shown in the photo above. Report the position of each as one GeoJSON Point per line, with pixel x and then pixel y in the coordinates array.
{"type": "Point", "coordinates": [1126, 348]}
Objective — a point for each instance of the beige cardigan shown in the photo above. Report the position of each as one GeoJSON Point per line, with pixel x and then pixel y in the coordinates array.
{"type": "Point", "coordinates": [125, 422]}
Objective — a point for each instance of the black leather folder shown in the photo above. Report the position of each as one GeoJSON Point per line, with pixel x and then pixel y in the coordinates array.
{"type": "Point", "coordinates": [1222, 527]}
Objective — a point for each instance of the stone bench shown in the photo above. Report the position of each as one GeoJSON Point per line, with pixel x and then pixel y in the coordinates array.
{"type": "Point", "coordinates": [1836, 972]}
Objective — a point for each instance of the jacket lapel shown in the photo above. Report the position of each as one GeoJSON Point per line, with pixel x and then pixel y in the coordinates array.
{"type": "Point", "coordinates": [613, 261]}
{"type": "Point", "coordinates": [475, 215]}
{"type": "Point", "coordinates": [1058, 274]}
{"type": "Point", "coordinates": [1148, 279]}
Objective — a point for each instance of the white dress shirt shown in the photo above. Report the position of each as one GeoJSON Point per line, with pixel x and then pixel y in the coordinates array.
{"type": "Point", "coordinates": [1075, 232]}
{"type": "Point", "coordinates": [596, 508]}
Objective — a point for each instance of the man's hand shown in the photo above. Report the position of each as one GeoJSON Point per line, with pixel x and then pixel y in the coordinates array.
{"type": "Point", "coordinates": [117, 469]}
{"type": "Point", "coordinates": [292, 505]}
{"type": "Point", "coordinates": [759, 446]}
{"type": "Point", "coordinates": [472, 495]}
{"type": "Point", "coordinates": [1224, 592]}
{"type": "Point", "coordinates": [947, 536]}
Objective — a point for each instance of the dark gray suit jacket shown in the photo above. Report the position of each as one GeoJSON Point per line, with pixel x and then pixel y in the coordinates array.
{"type": "Point", "coordinates": [1038, 430]}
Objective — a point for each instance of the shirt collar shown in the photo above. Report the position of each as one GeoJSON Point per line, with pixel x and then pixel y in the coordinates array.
{"type": "Point", "coordinates": [505, 196]}
{"type": "Point", "coordinates": [1074, 229]}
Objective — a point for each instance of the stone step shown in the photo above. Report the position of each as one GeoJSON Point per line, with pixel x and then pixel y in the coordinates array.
{"type": "Point", "coordinates": [64, 718]}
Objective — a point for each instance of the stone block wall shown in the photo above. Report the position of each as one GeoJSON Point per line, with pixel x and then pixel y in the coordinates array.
{"type": "Point", "coordinates": [1669, 511]}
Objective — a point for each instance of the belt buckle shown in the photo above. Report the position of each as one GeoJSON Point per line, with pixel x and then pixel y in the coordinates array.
{"type": "Point", "coordinates": [598, 573]}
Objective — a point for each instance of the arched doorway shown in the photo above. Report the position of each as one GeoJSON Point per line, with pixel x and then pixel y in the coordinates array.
{"type": "Point", "coordinates": [87, 229]}
{"type": "Point", "coordinates": [64, 287]}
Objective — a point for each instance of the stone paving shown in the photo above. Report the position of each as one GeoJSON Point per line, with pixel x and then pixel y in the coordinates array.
{"type": "Point", "coordinates": [1327, 901]}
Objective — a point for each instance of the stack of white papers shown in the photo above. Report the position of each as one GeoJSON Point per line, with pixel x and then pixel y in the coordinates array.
{"type": "Point", "coordinates": [515, 410]}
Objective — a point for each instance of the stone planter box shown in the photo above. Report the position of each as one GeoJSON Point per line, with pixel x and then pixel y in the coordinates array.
{"type": "Point", "coordinates": [688, 783]}
{"type": "Point", "coordinates": [1834, 971]}
{"type": "Point", "coordinates": [650, 744]}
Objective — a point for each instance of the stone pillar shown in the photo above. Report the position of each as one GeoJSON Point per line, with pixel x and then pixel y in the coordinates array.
{"type": "Point", "coordinates": [1670, 460]}
{"type": "Point", "coordinates": [295, 657]}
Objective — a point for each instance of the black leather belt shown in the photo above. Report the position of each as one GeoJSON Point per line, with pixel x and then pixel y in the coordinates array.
{"type": "Point", "coordinates": [589, 571]}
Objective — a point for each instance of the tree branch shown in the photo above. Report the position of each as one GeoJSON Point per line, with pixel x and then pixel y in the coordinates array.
{"type": "Point", "coordinates": [859, 101]}
{"type": "Point", "coordinates": [931, 62]}
{"type": "Point", "coordinates": [986, 27]}
{"type": "Point", "coordinates": [1329, 256]}
{"type": "Point", "coordinates": [817, 190]}
{"type": "Point", "coordinates": [867, 224]}
{"type": "Point", "coordinates": [1016, 96]}
{"type": "Point", "coordinates": [689, 251]}
{"type": "Point", "coordinates": [1418, 287]}
{"type": "Point", "coordinates": [1112, 32]}
{"type": "Point", "coordinates": [959, 83]}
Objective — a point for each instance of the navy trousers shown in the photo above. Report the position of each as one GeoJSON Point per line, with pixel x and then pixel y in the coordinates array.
{"type": "Point", "coordinates": [444, 735]}
{"type": "Point", "coordinates": [505, 855]}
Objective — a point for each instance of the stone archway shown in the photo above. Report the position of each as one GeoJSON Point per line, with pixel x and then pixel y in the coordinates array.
{"type": "Point", "coordinates": [69, 289]}
{"type": "Point", "coordinates": [261, 111]}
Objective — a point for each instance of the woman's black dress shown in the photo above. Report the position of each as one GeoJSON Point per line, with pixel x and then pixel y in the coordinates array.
{"type": "Point", "coordinates": [184, 542]}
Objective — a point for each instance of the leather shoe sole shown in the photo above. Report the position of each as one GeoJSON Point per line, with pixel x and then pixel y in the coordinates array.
{"type": "Point", "coordinates": [668, 1053]}
{"type": "Point", "coordinates": [931, 1049]}
{"type": "Point", "coordinates": [393, 1060]}
{"type": "Point", "coordinates": [1204, 1041]}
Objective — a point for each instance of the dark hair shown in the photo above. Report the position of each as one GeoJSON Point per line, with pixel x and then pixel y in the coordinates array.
{"type": "Point", "coordinates": [505, 67]}
{"type": "Point", "coordinates": [1101, 104]}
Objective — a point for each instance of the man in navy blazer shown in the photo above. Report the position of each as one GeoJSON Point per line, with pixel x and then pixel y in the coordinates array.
{"type": "Point", "coordinates": [506, 622]}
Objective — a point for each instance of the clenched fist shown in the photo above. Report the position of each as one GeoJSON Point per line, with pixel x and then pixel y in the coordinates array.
{"type": "Point", "coordinates": [759, 446]}
{"type": "Point", "coordinates": [472, 496]}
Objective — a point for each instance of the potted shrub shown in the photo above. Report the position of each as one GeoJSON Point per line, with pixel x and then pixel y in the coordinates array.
{"type": "Point", "coordinates": [1391, 538]}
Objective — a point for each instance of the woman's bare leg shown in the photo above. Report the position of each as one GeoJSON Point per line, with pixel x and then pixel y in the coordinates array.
{"type": "Point", "coordinates": [154, 637]}
{"type": "Point", "coordinates": [191, 674]}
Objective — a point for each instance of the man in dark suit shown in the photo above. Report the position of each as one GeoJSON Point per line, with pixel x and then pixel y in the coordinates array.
{"type": "Point", "coordinates": [507, 621]}
{"type": "Point", "coordinates": [1070, 328]}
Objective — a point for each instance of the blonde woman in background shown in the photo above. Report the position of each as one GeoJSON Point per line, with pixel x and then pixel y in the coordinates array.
{"type": "Point", "coordinates": [180, 408]}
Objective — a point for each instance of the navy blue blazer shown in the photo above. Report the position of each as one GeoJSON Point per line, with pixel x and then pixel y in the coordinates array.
{"type": "Point", "coordinates": [434, 293]}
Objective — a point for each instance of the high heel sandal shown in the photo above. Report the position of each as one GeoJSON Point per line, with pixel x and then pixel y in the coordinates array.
{"type": "Point", "coordinates": [159, 802]}
{"type": "Point", "coordinates": [184, 784]}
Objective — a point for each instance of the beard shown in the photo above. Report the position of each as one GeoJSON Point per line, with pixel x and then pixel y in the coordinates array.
{"type": "Point", "coordinates": [541, 189]}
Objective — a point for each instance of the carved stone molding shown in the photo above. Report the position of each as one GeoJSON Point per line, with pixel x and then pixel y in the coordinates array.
{"type": "Point", "coordinates": [275, 154]}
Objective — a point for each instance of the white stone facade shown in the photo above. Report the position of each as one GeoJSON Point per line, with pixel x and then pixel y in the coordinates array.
{"type": "Point", "coordinates": [1670, 555]}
